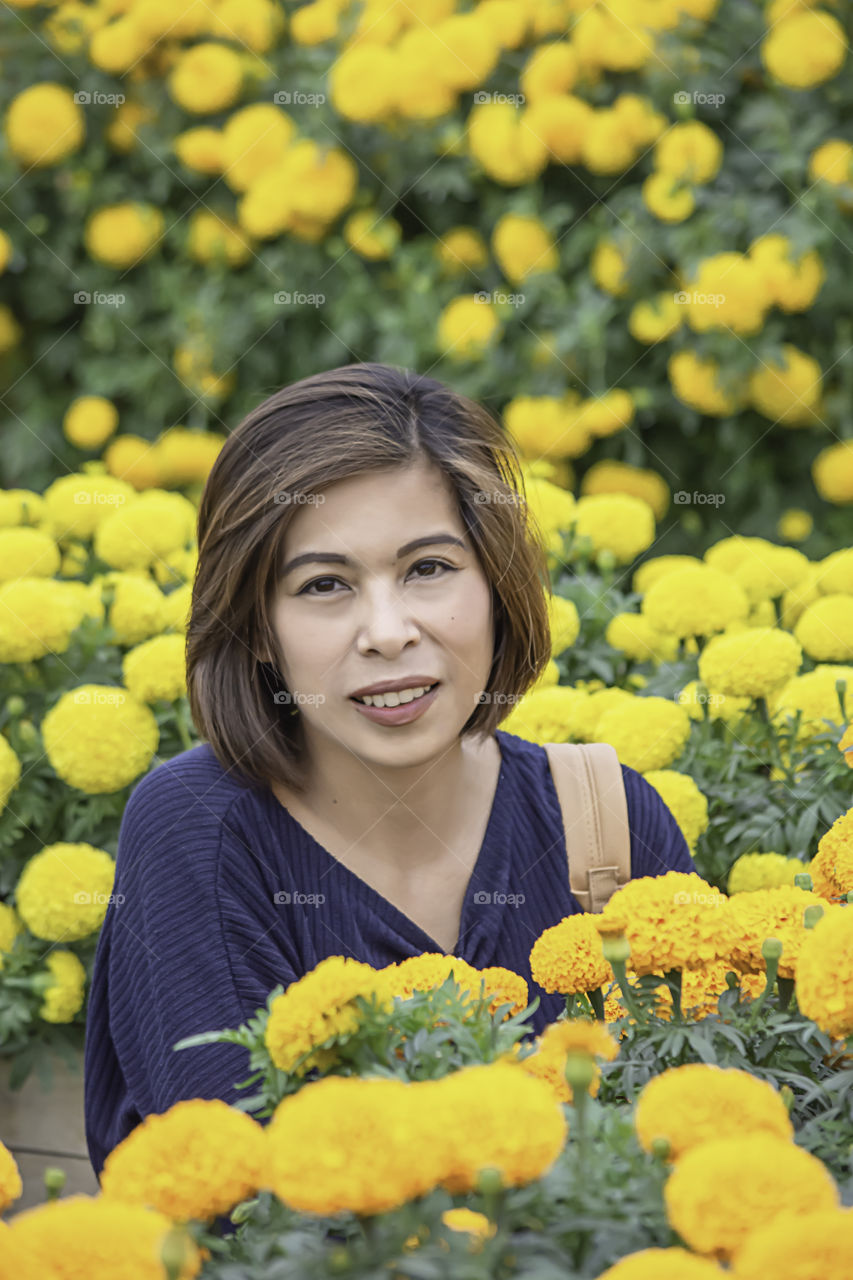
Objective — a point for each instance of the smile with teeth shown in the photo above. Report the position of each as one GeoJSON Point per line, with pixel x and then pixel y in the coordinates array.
{"type": "Point", "coordinates": [396, 698]}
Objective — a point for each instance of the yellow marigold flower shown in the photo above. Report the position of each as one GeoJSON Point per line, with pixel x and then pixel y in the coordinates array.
{"type": "Point", "coordinates": [794, 285]}
{"type": "Point", "coordinates": [551, 69]}
{"type": "Point", "coordinates": [789, 392]}
{"type": "Point", "coordinates": [138, 609]}
{"type": "Point", "coordinates": [150, 526]}
{"type": "Point", "coordinates": [363, 83]}
{"type": "Point", "coordinates": [255, 25]}
{"type": "Point", "coordinates": [613, 39]}
{"type": "Point", "coordinates": [763, 569]}
{"type": "Point", "coordinates": [507, 19]}
{"type": "Point", "coordinates": [11, 1185]}
{"type": "Point", "coordinates": [690, 151]}
{"type": "Point", "coordinates": [608, 144]}
{"type": "Point", "coordinates": [832, 162]}
{"type": "Point", "coordinates": [194, 1161]}
{"type": "Point", "coordinates": [658, 567]}
{"type": "Point", "coordinates": [835, 573]}
{"type": "Point", "coordinates": [696, 382]}
{"type": "Point", "coordinates": [135, 462]}
{"type": "Point", "coordinates": [21, 506]}
{"type": "Point", "coordinates": [71, 1237]}
{"type": "Point", "coordinates": [805, 49]}
{"type": "Point", "coordinates": [753, 871]}
{"type": "Point", "coordinates": [563, 621]}
{"type": "Point", "coordinates": [118, 46]}
{"type": "Point", "coordinates": [750, 664]}
{"type": "Point", "coordinates": [546, 427]}
{"type": "Point", "coordinates": [632, 635]}
{"type": "Point", "coordinates": [318, 1010]}
{"type": "Point", "coordinates": [568, 957]}
{"type": "Point", "coordinates": [835, 852]}
{"type": "Point", "coordinates": [467, 49]}
{"type": "Point", "coordinates": [176, 608]}
{"type": "Point", "coordinates": [663, 1264]}
{"type": "Point", "coordinates": [608, 267]}
{"type": "Point", "coordinates": [314, 23]}
{"type": "Point", "coordinates": [76, 504]}
{"type": "Point", "coordinates": [98, 738]}
{"type": "Point", "coordinates": [563, 122]}
{"type": "Point", "coordinates": [619, 523]}
{"type": "Point", "coordinates": [607, 414]}
{"type": "Point", "coordinates": [485, 1095]}
{"type": "Point", "coordinates": [44, 124]}
{"type": "Point", "coordinates": [548, 678]}
{"type": "Point", "coordinates": [810, 1244]}
{"type": "Point", "coordinates": [644, 124]}
{"type": "Point", "coordinates": [431, 969]}
{"type": "Point", "coordinates": [10, 771]}
{"type": "Point", "coordinates": [825, 973]}
{"type": "Point", "coordinates": [200, 149]}
{"type": "Point", "coordinates": [771, 913]}
{"type": "Point", "coordinates": [814, 694]}
{"type": "Point", "coordinates": [727, 292]}
{"type": "Point", "coordinates": [569, 1036]}
{"type": "Point", "coordinates": [590, 707]}
{"type": "Point", "coordinates": [647, 733]}
{"type": "Point", "coordinates": [373, 236]}
{"type": "Point", "coordinates": [156, 669]}
{"type": "Point", "coordinates": [695, 601]}
{"type": "Point", "coordinates": [37, 616]}
{"type": "Point", "coordinates": [522, 245]}
{"type": "Point", "coordinates": [207, 77]}
{"type": "Point", "coordinates": [122, 133]}
{"type": "Point", "coordinates": [719, 706]}
{"type": "Point", "coordinates": [466, 326]}
{"type": "Point", "coordinates": [213, 239]}
{"type": "Point", "coordinates": [474, 1224]}
{"type": "Point", "coordinates": [64, 997]}
{"type": "Point", "coordinates": [698, 1102]}
{"type": "Point", "coordinates": [27, 553]}
{"type": "Point", "coordinates": [548, 714]}
{"type": "Point", "coordinates": [252, 140]}
{"type": "Point", "coordinates": [668, 198]}
{"type": "Point", "coordinates": [462, 247]}
{"type": "Point", "coordinates": [724, 1189]}
{"type": "Point", "coordinates": [684, 800]}
{"type": "Point", "coordinates": [701, 990]}
{"type": "Point", "coordinates": [654, 319]}
{"type": "Point", "coordinates": [89, 421]}
{"type": "Point", "coordinates": [673, 921]}
{"type": "Point", "coordinates": [186, 457]}
{"type": "Point", "coordinates": [551, 508]}
{"type": "Point", "coordinates": [825, 629]}
{"type": "Point", "coordinates": [121, 235]}
{"type": "Point", "coordinates": [177, 566]}
{"type": "Point", "coordinates": [832, 472]}
{"type": "Point", "coordinates": [63, 891]}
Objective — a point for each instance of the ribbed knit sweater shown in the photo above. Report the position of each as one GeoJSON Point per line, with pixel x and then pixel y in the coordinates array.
{"type": "Point", "coordinates": [220, 895]}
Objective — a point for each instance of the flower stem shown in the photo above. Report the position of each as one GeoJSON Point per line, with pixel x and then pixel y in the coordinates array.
{"type": "Point", "coordinates": [673, 981]}
{"type": "Point", "coordinates": [618, 967]}
{"type": "Point", "coordinates": [596, 999]}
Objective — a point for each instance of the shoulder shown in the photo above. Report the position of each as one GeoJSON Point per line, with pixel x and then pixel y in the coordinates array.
{"type": "Point", "coordinates": [181, 806]}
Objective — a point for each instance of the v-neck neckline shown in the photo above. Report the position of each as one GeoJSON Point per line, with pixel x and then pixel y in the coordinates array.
{"type": "Point", "coordinates": [384, 906]}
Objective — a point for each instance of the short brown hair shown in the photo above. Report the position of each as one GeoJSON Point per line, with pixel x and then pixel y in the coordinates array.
{"type": "Point", "coordinates": [332, 426]}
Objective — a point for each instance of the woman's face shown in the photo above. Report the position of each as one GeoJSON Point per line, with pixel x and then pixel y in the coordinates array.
{"type": "Point", "coordinates": [422, 616]}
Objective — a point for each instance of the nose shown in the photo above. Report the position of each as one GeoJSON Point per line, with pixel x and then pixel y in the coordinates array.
{"type": "Point", "coordinates": [385, 621]}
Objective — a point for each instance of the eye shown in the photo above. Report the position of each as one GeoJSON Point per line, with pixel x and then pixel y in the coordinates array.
{"type": "Point", "coordinates": [306, 590]}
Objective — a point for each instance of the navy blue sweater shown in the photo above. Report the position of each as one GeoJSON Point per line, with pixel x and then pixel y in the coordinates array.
{"type": "Point", "coordinates": [201, 927]}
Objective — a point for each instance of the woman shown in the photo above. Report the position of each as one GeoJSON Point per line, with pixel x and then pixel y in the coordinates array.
{"type": "Point", "coordinates": [360, 534]}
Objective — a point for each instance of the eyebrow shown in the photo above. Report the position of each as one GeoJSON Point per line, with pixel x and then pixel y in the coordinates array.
{"type": "Point", "coordinates": [330, 557]}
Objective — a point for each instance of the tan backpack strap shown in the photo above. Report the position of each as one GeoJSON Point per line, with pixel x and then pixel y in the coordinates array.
{"type": "Point", "coordinates": [591, 790]}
